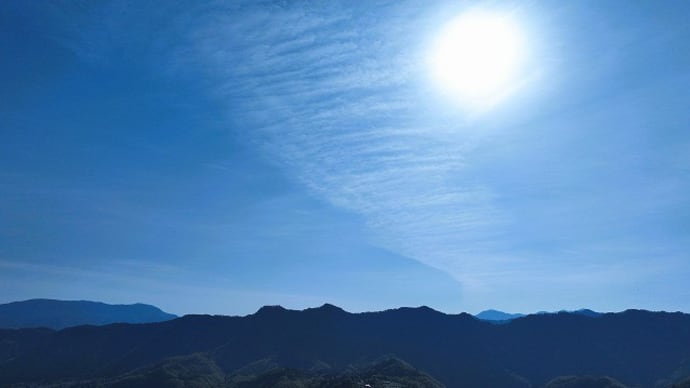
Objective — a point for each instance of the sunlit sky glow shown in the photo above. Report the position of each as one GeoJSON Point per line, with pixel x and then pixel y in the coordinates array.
{"type": "Point", "coordinates": [218, 156]}
{"type": "Point", "coordinates": [478, 56]}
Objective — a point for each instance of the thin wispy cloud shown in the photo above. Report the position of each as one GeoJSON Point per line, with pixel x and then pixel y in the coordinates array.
{"type": "Point", "coordinates": [580, 167]}
{"type": "Point", "coordinates": [333, 97]}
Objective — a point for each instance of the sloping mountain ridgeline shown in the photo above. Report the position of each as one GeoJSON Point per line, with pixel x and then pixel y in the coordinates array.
{"type": "Point", "coordinates": [498, 316]}
{"type": "Point", "coordinates": [503, 317]}
{"type": "Point", "coordinates": [319, 346]}
{"type": "Point", "coordinates": [59, 314]}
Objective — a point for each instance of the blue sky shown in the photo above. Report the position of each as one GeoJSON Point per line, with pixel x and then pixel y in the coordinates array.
{"type": "Point", "coordinates": [215, 157]}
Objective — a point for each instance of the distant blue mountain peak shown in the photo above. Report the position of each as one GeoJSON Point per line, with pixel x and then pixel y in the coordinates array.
{"type": "Point", "coordinates": [59, 314]}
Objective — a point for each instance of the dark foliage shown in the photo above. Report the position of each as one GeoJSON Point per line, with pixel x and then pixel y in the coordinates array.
{"type": "Point", "coordinates": [388, 372]}
{"type": "Point", "coordinates": [584, 382]}
{"type": "Point", "coordinates": [194, 371]}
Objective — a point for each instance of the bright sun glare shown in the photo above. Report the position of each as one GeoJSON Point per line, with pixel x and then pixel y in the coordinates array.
{"type": "Point", "coordinates": [476, 57]}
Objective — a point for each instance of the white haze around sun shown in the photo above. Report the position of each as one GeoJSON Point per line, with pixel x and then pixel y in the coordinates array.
{"type": "Point", "coordinates": [477, 57]}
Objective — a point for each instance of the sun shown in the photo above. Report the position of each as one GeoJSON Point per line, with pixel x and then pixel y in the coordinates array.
{"type": "Point", "coordinates": [477, 57]}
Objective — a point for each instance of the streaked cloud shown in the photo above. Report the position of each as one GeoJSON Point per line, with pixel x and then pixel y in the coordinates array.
{"type": "Point", "coordinates": [580, 170]}
{"type": "Point", "coordinates": [339, 98]}
{"type": "Point", "coordinates": [333, 96]}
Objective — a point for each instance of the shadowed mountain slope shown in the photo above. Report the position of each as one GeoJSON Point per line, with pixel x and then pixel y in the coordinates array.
{"type": "Point", "coordinates": [682, 384]}
{"type": "Point", "coordinates": [637, 348]}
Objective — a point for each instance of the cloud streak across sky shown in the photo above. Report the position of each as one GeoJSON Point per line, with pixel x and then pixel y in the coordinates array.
{"type": "Point", "coordinates": [571, 187]}
{"type": "Point", "coordinates": [339, 96]}
{"type": "Point", "coordinates": [333, 95]}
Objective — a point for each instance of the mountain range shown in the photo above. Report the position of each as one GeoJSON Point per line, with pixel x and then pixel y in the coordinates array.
{"type": "Point", "coordinates": [501, 316]}
{"type": "Point", "coordinates": [496, 315]}
{"type": "Point", "coordinates": [328, 346]}
{"type": "Point", "coordinates": [59, 314]}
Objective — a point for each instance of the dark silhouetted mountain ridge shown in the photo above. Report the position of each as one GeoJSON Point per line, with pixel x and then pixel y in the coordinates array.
{"type": "Point", "coordinates": [636, 348]}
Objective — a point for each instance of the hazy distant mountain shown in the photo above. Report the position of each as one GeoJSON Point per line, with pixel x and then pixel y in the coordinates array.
{"type": "Point", "coordinates": [281, 347]}
{"type": "Point", "coordinates": [496, 315]}
{"type": "Point", "coordinates": [59, 314]}
{"type": "Point", "coordinates": [585, 312]}
{"type": "Point", "coordinates": [500, 316]}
